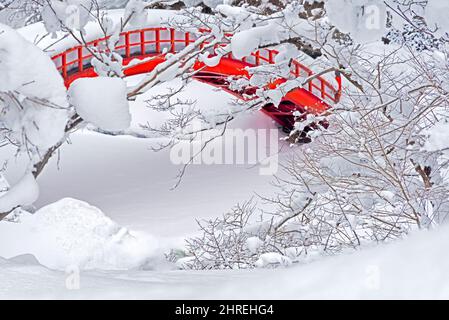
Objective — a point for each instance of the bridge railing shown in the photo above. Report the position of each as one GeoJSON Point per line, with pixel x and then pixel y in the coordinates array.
{"type": "Point", "coordinates": [150, 41]}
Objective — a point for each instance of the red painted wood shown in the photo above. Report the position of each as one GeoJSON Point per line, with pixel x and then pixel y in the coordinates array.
{"type": "Point", "coordinates": [303, 99]}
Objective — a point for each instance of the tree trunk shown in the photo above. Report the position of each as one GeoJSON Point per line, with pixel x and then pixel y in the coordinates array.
{"type": "Point", "coordinates": [4, 215]}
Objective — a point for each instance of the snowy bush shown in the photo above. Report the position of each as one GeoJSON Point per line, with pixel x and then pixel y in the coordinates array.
{"type": "Point", "coordinates": [18, 13]}
{"type": "Point", "coordinates": [33, 109]}
{"type": "Point", "coordinates": [224, 244]}
{"type": "Point", "coordinates": [242, 239]}
{"type": "Point", "coordinates": [377, 173]}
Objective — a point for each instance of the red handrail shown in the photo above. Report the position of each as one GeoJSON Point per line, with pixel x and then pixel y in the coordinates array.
{"type": "Point", "coordinates": [150, 41]}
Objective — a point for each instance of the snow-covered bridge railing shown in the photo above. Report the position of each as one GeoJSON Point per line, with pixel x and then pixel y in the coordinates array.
{"type": "Point", "coordinates": [314, 98]}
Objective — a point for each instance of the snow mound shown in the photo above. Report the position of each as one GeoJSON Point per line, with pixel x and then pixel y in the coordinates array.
{"type": "Point", "coordinates": [102, 102]}
{"type": "Point", "coordinates": [73, 233]}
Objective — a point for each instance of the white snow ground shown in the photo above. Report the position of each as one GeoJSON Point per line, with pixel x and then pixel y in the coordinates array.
{"type": "Point", "coordinates": [415, 268]}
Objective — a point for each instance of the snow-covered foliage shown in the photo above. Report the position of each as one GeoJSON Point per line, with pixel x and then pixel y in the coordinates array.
{"type": "Point", "coordinates": [17, 13]}
{"type": "Point", "coordinates": [32, 92]}
{"type": "Point", "coordinates": [33, 108]}
{"type": "Point", "coordinates": [135, 9]}
{"type": "Point", "coordinates": [35, 115]}
{"type": "Point", "coordinates": [70, 14]}
{"type": "Point", "coordinates": [363, 20]}
{"type": "Point", "coordinates": [108, 112]}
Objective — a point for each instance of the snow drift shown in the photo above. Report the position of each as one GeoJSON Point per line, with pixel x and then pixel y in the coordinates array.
{"type": "Point", "coordinates": [415, 268]}
{"type": "Point", "coordinates": [71, 232]}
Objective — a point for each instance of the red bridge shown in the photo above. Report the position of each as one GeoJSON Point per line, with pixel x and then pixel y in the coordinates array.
{"type": "Point", "coordinates": [315, 98]}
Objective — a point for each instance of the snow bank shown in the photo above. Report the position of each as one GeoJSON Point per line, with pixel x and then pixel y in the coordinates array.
{"type": "Point", "coordinates": [415, 268]}
{"type": "Point", "coordinates": [102, 102]}
{"type": "Point", "coordinates": [73, 233]}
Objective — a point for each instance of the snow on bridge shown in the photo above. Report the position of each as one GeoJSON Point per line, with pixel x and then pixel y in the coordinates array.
{"type": "Point", "coordinates": [151, 44]}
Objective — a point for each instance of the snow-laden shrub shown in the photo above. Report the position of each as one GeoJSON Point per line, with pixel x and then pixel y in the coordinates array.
{"type": "Point", "coordinates": [32, 94]}
{"type": "Point", "coordinates": [33, 110]}
{"type": "Point", "coordinates": [377, 173]}
{"type": "Point", "coordinates": [245, 238]}
{"type": "Point", "coordinates": [225, 242]}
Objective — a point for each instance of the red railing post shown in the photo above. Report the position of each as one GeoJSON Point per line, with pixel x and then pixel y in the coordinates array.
{"type": "Point", "coordinates": [127, 48]}
{"type": "Point", "coordinates": [338, 93]}
{"type": "Point", "coordinates": [270, 56]}
{"type": "Point", "coordinates": [157, 37]}
{"type": "Point", "coordinates": [80, 58]}
{"type": "Point", "coordinates": [309, 74]}
{"type": "Point", "coordinates": [172, 40]}
{"type": "Point", "coordinates": [95, 43]}
{"type": "Point", "coordinates": [142, 42]}
{"type": "Point", "coordinates": [64, 65]}
{"type": "Point", "coordinates": [187, 39]}
{"type": "Point", "coordinates": [323, 89]}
